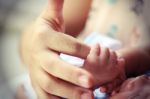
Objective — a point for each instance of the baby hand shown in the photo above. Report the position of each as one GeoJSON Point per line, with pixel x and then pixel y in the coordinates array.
{"type": "Point", "coordinates": [134, 88]}
{"type": "Point", "coordinates": [106, 67]}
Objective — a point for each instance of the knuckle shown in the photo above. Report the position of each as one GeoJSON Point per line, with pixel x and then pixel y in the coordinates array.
{"type": "Point", "coordinates": [76, 49]}
{"type": "Point", "coordinates": [76, 73]}
{"type": "Point", "coordinates": [80, 50]}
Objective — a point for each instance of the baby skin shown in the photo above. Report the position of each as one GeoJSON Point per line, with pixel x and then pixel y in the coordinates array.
{"type": "Point", "coordinates": [134, 88]}
{"type": "Point", "coordinates": [106, 68]}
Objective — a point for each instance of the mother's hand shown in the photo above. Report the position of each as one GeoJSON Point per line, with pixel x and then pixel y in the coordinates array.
{"type": "Point", "coordinates": [51, 77]}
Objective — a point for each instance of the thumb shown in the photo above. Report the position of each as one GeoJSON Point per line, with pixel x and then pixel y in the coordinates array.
{"type": "Point", "coordinates": [53, 14]}
{"type": "Point", "coordinates": [55, 5]}
{"type": "Point", "coordinates": [53, 9]}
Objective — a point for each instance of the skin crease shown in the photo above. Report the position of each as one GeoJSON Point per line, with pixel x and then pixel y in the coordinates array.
{"type": "Point", "coordinates": [41, 54]}
{"type": "Point", "coordinates": [42, 43]}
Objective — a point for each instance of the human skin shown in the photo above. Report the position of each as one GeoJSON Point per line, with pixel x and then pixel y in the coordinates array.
{"type": "Point", "coordinates": [134, 88]}
{"type": "Point", "coordinates": [41, 54]}
{"type": "Point", "coordinates": [40, 49]}
{"type": "Point", "coordinates": [106, 67]}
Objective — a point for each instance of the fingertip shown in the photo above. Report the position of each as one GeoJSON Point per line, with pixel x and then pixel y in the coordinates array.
{"type": "Point", "coordinates": [53, 11]}
{"type": "Point", "coordinates": [86, 80]}
{"type": "Point", "coordinates": [55, 4]}
{"type": "Point", "coordinates": [121, 61]}
{"type": "Point", "coordinates": [95, 49]}
{"type": "Point", "coordinates": [93, 56]}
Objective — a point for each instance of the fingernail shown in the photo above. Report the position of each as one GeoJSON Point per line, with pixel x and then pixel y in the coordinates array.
{"type": "Point", "coordinates": [84, 81]}
{"type": "Point", "coordinates": [86, 96]}
{"type": "Point", "coordinates": [121, 59]}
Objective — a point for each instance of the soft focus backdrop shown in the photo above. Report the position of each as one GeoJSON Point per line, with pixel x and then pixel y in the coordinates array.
{"type": "Point", "coordinates": [15, 15]}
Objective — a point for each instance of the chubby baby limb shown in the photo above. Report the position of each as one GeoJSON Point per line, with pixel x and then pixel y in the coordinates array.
{"type": "Point", "coordinates": [134, 88]}
{"type": "Point", "coordinates": [106, 67]}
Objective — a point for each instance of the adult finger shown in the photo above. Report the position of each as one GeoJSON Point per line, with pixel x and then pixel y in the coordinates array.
{"type": "Point", "coordinates": [53, 9]}
{"type": "Point", "coordinates": [54, 38]}
{"type": "Point", "coordinates": [55, 66]}
{"type": "Point", "coordinates": [61, 88]}
{"type": "Point", "coordinates": [66, 44]}
{"type": "Point", "coordinates": [55, 4]}
{"type": "Point", "coordinates": [41, 94]}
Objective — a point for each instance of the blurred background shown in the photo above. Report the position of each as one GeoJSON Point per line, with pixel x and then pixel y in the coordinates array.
{"type": "Point", "coordinates": [15, 15]}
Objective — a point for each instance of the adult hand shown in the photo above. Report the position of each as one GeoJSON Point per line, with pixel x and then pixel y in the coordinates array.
{"type": "Point", "coordinates": [51, 77]}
